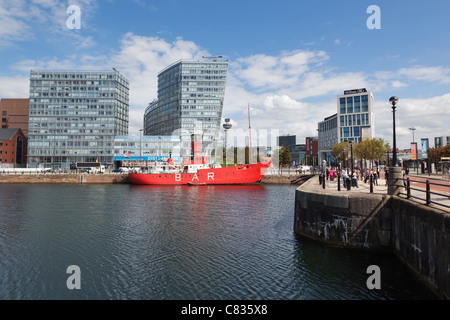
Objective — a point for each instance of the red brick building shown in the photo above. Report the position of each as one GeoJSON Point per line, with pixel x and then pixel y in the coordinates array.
{"type": "Point", "coordinates": [14, 114]}
{"type": "Point", "coordinates": [13, 148]}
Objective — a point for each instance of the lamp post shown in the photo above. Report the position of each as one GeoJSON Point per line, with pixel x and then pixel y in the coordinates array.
{"type": "Point", "coordinates": [393, 101]}
{"type": "Point", "coordinates": [395, 178]}
{"type": "Point", "coordinates": [351, 158]}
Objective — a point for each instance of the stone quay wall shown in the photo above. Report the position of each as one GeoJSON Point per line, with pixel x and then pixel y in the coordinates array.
{"type": "Point", "coordinates": [418, 234]}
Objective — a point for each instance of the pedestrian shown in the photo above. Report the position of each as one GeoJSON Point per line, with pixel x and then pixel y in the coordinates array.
{"type": "Point", "coordinates": [327, 173]}
{"type": "Point", "coordinates": [373, 174]}
{"type": "Point", "coordinates": [344, 177]}
{"type": "Point", "coordinates": [355, 179]}
{"type": "Point", "coordinates": [332, 173]}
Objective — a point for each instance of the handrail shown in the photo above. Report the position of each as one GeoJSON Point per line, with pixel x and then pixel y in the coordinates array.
{"type": "Point", "coordinates": [427, 191]}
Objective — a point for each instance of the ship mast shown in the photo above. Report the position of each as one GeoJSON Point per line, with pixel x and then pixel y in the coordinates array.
{"type": "Point", "coordinates": [250, 136]}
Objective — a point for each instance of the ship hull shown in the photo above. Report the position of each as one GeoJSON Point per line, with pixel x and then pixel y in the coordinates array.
{"type": "Point", "coordinates": [243, 174]}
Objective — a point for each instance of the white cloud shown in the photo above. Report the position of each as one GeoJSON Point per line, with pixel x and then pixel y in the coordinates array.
{"type": "Point", "coordinates": [429, 116]}
{"type": "Point", "coordinates": [22, 20]}
{"type": "Point", "coordinates": [290, 92]}
{"type": "Point", "coordinates": [429, 74]}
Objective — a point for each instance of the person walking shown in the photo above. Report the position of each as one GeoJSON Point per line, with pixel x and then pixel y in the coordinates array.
{"type": "Point", "coordinates": [344, 177]}
{"type": "Point", "coordinates": [374, 177]}
{"type": "Point", "coordinates": [354, 179]}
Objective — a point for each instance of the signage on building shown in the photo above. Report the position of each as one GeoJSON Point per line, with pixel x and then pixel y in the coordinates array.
{"type": "Point", "coordinates": [424, 148]}
{"type": "Point", "coordinates": [355, 91]}
{"type": "Point", "coordinates": [308, 146]}
{"type": "Point", "coordinates": [413, 150]}
{"type": "Point", "coordinates": [365, 133]}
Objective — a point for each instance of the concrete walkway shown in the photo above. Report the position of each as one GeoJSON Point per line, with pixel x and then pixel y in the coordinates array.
{"type": "Point", "coordinates": [381, 188]}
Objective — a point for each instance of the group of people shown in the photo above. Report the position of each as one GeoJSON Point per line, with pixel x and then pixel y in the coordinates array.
{"type": "Point", "coordinates": [349, 177]}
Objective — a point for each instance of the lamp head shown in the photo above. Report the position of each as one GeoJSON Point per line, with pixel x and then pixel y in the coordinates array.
{"type": "Point", "coordinates": [393, 100]}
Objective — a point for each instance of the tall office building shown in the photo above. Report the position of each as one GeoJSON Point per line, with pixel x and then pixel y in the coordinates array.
{"type": "Point", "coordinates": [75, 115]}
{"type": "Point", "coordinates": [355, 115]}
{"type": "Point", "coordinates": [354, 121]}
{"type": "Point", "coordinates": [190, 96]}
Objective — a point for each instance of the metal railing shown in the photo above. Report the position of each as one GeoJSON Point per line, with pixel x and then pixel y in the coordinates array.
{"type": "Point", "coordinates": [427, 191]}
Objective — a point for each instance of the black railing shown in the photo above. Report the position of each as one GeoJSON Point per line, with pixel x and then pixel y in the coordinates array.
{"type": "Point", "coordinates": [427, 191]}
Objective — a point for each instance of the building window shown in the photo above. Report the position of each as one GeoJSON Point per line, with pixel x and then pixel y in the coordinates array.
{"type": "Point", "coordinates": [350, 105]}
{"type": "Point", "coordinates": [356, 132]}
{"type": "Point", "coordinates": [357, 104]}
{"type": "Point", "coordinates": [3, 119]}
{"type": "Point", "coordinates": [342, 105]}
{"type": "Point", "coordinates": [346, 132]}
{"type": "Point", "coordinates": [365, 103]}
{"type": "Point", "coordinates": [4, 113]}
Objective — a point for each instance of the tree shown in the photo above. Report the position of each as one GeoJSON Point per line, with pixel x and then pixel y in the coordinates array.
{"type": "Point", "coordinates": [371, 149]}
{"type": "Point", "coordinates": [285, 156]}
{"type": "Point", "coordinates": [337, 152]}
{"type": "Point", "coordinates": [437, 153]}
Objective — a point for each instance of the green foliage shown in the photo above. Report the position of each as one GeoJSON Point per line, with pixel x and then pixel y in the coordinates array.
{"type": "Point", "coordinates": [284, 156]}
{"type": "Point", "coordinates": [338, 153]}
{"type": "Point", "coordinates": [437, 153]}
{"type": "Point", "coordinates": [371, 149]}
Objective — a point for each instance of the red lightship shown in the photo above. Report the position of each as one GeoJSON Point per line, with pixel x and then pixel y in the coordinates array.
{"type": "Point", "coordinates": [199, 172]}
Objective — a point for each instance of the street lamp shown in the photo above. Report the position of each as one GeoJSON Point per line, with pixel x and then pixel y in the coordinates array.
{"type": "Point", "coordinates": [395, 178]}
{"type": "Point", "coordinates": [351, 158]}
{"type": "Point", "coordinates": [393, 101]}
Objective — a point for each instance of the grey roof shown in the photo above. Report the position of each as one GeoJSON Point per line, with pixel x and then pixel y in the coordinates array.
{"type": "Point", "coordinates": [7, 134]}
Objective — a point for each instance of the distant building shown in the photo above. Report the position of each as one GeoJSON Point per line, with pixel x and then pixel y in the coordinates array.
{"type": "Point", "coordinates": [190, 96]}
{"type": "Point", "coordinates": [134, 151]}
{"type": "Point", "coordinates": [13, 148]}
{"type": "Point", "coordinates": [298, 154]}
{"type": "Point", "coordinates": [354, 121]}
{"type": "Point", "coordinates": [75, 115]}
{"type": "Point", "coordinates": [441, 141]}
{"type": "Point", "coordinates": [14, 114]}
{"type": "Point", "coordinates": [328, 138]}
{"type": "Point", "coordinates": [287, 141]}
{"type": "Point", "coordinates": [312, 150]}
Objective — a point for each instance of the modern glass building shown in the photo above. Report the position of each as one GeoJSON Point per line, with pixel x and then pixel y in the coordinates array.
{"type": "Point", "coordinates": [190, 96]}
{"type": "Point", "coordinates": [75, 115]}
{"type": "Point", "coordinates": [355, 116]}
{"type": "Point", "coordinates": [354, 121]}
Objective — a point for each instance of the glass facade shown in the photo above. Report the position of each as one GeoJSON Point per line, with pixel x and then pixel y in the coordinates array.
{"type": "Point", "coordinates": [190, 96]}
{"type": "Point", "coordinates": [355, 116]}
{"type": "Point", "coordinates": [75, 115]}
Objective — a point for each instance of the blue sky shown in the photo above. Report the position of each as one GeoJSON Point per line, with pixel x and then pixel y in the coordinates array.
{"type": "Point", "coordinates": [288, 59]}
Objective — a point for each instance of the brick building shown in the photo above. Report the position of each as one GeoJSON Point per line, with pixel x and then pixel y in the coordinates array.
{"type": "Point", "coordinates": [13, 148]}
{"type": "Point", "coordinates": [14, 114]}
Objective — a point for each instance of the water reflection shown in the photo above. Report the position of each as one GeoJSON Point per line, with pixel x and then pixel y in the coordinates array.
{"type": "Point", "coordinates": [176, 242]}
